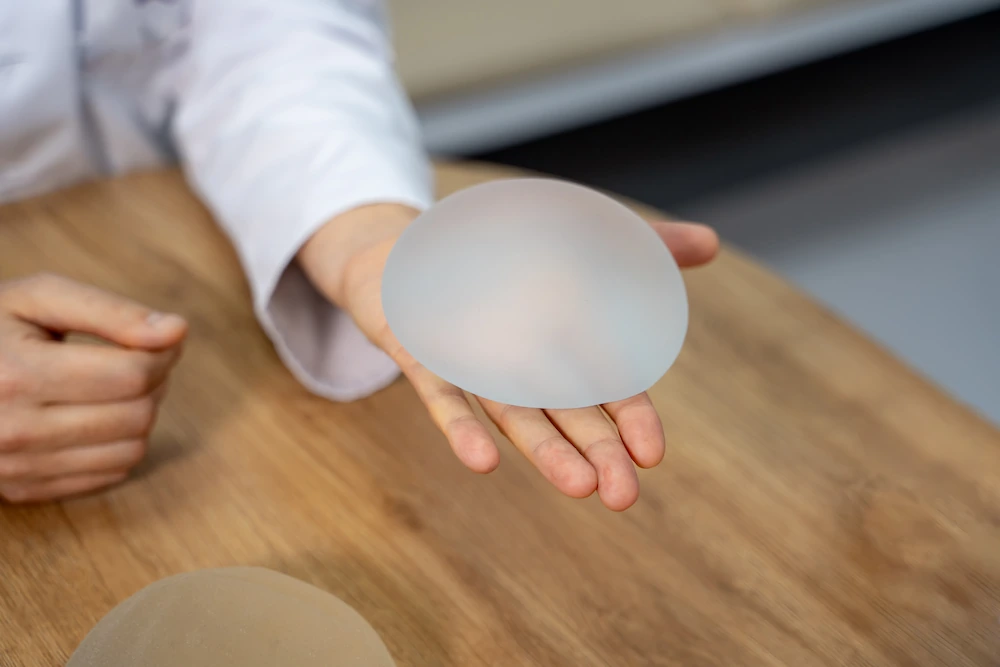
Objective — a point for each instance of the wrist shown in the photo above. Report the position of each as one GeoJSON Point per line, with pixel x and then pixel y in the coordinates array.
{"type": "Point", "coordinates": [345, 240]}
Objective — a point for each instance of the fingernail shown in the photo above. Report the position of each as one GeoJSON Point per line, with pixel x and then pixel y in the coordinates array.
{"type": "Point", "coordinates": [164, 320]}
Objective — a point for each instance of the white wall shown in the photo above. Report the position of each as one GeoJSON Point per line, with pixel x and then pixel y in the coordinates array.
{"type": "Point", "coordinates": [521, 111]}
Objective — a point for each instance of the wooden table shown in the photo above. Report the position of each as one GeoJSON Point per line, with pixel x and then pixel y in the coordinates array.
{"type": "Point", "coordinates": [819, 503]}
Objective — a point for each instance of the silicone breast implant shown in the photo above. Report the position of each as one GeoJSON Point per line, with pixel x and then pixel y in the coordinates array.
{"type": "Point", "coordinates": [536, 293]}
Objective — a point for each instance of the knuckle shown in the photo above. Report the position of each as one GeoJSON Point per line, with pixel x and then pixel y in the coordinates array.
{"type": "Point", "coordinates": [15, 435]}
{"type": "Point", "coordinates": [41, 282]}
{"type": "Point", "coordinates": [507, 414]}
{"type": "Point", "coordinates": [144, 415]}
{"type": "Point", "coordinates": [35, 286]}
{"type": "Point", "coordinates": [13, 468]}
{"type": "Point", "coordinates": [17, 494]}
{"type": "Point", "coordinates": [546, 445]}
{"type": "Point", "coordinates": [608, 446]}
{"type": "Point", "coordinates": [137, 380]}
{"type": "Point", "coordinates": [135, 452]}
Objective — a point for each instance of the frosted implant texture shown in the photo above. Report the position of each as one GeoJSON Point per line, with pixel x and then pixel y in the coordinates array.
{"type": "Point", "coordinates": [536, 293]}
{"type": "Point", "coordinates": [232, 617]}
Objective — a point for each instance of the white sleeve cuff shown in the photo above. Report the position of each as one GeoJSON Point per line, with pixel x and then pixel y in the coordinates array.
{"type": "Point", "coordinates": [318, 342]}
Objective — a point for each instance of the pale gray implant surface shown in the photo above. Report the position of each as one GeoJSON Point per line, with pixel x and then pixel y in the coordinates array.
{"type": "Point", "coordinates": [536, 293]}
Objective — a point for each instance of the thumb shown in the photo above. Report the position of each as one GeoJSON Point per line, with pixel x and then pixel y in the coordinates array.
{"type": "Point", "coordinates": [65, 306]}
{"type": "Point", "coordinates": [691, 244]}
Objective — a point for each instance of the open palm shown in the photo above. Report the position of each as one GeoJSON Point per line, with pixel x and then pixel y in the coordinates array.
{"type": "Point", "coordinates": [578, 451]}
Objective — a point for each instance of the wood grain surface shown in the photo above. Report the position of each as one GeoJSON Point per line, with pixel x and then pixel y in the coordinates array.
{"type": "Point", "coordinates": [819, 504]}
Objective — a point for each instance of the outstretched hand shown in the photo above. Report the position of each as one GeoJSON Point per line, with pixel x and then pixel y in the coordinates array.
{"type": "Point", "coordinates": [579, 451]}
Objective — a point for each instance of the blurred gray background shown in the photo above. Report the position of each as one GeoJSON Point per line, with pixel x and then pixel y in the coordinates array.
{"type": "Point", "coordinates": [851, 145]}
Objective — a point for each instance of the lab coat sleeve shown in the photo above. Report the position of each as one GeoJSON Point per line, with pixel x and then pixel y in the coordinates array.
{"type": "Point", "coordinates": [289, 113]}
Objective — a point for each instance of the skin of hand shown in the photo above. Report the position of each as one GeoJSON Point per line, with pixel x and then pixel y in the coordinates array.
{"type": "Point", "coordinates": [75, 416]}
{"type": "Point", "coordinates": [578, 451]}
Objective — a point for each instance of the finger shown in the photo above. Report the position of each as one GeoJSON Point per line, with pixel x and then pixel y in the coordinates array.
{"type": "Point", "coordinates": [49, 428]}
{"type": "Point", "coordinates": [597, 439]}
{"type": "Point", "coordinates": [62, 305]}
{"type": "Point", "coordinates": [640, 428]}
{"type": "Point", "coordinates": [451, 412]}
{"type": "Point", "coordinates": [83, 373]}
{"type": "Point", "coordinates": [542, 444]}
{"type": "Point", "coordinates": [60, 487]}
{"type": "Point", "coordinates": [28, 467]}
{"type": "Point", "coordinates": [691, 244]}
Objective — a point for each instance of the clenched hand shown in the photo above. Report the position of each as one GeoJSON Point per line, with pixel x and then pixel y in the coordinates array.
{"type": "Point", "coordinates": [74, 417]}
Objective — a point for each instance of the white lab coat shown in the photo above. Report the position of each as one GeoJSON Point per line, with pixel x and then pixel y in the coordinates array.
{"type": "Point", "coordinates": [283, 113]}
